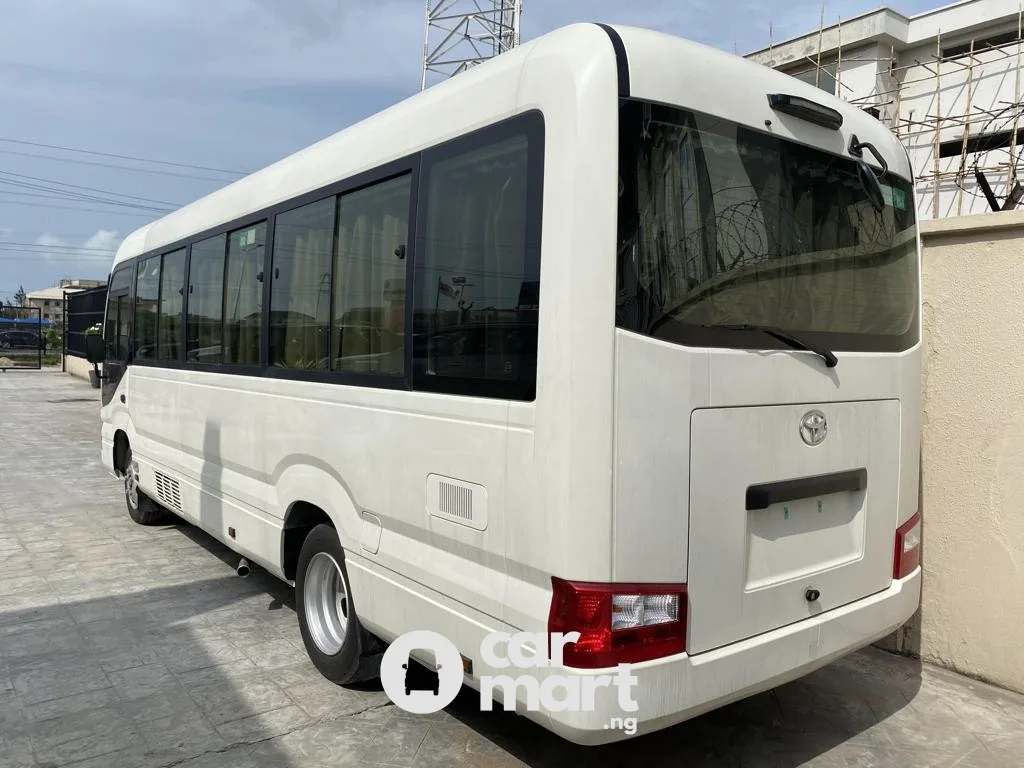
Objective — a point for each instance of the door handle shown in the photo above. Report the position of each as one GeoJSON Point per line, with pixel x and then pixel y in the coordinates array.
{"type": "Point", "coordinates": [763, 496]}
{"type": "Point", "coordinates": [122, 398]}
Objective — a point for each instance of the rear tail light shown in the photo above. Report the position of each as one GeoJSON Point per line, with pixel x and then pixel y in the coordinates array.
{"type": "Point", "coordinates": [618, 623]}
{"type": "Point", "coordinates": [908, 547]}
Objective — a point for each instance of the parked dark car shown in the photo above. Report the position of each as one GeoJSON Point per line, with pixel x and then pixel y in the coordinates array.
{"type": "Point", "coordinates": [19, 340]}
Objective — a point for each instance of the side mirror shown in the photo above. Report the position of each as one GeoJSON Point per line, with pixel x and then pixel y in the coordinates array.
{"type": "Point", "coordinates": [95, 351]}
{"type": "Point", "coordinates": [868, 179]}
{"type": "Point", "coordinates": [871, 185]}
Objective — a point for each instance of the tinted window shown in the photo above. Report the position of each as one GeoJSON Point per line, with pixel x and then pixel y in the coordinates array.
{"type": "Point", "coordinates": [147, 296]}
{"type": "Point", "coordinates": [120, 279]}
{"type": "Point", "coordinates": [369, 279]}
{"type": "Point", "coordinates": [300, 294]}
{"type": "Point", "coordinates": [243, 295]}
{"type": "Point", "coordinates": [204, 330]}
{"type": "Point", "coordinates": [720, 224]}
{"type": "Point", "coordinates": [117, 326]}
{"type": "Point", "coordinates": [478, 271]}
{"type": "Point", "coordinates": [172, 281]}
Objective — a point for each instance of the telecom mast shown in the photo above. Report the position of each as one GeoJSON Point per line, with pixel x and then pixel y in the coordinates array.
{"type": "Point", "coordinates": [460, 34]}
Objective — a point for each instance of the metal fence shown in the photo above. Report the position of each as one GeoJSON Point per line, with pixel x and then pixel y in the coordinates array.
{"type": "Point", "coordinates": [22, 336]}
{"type": "Point", "coordinates": [82, 309]}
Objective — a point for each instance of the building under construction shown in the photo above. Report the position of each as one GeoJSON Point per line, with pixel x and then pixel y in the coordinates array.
{"type": "Point", "coordinates": [947, 82]}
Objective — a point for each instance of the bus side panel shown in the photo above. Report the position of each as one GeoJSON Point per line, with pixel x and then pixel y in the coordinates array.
{"type": "Point", "coordinates": [244, 449]}
{"type": "Point", "coordinates": [115, 416]}
{"type": "Point", "coordinates": [376, 452]}
{"type": "Point", "coordinates": [560, 447]}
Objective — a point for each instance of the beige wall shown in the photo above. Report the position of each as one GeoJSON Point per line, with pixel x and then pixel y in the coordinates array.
{"type": "Point", "coordinates": [77, 366]}
{"type": "Point", "coordinates": [972, 609]}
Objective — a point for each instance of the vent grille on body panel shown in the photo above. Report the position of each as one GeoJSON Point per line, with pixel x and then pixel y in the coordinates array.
{"type": "Point", "coordinates": [457, 501]}
{"type": "Point", "coordinates": [168, 491]}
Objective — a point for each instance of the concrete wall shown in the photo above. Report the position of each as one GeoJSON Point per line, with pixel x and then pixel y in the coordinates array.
{"type": "Point", "coordinates": [972, 609]}
{"type": "Point", "coordinates": [77, 366]}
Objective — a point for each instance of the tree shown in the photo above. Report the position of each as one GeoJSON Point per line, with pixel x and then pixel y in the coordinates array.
{"type": "Point", "coordinates": [20, 296]}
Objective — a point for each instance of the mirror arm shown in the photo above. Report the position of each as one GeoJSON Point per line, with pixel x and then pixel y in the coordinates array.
{"type": "Point", "coordinates": [857, 148]}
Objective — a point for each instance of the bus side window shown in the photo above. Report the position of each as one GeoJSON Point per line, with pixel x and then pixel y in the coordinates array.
{"type": "Point", "coordinates": [204, 325]}
{"type": "Point", "coordinates": [147, 296]}
{"type": "Point", "coordinates": [478, 270]}
{"type": "Point", "coordinates": [300, 286]}
{"type": "Point", "coordinates": [369, 279]}
{"type": "Point", "coordinates": [243, 295]}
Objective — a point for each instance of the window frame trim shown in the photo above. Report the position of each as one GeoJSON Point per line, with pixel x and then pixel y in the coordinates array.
{"type": "Point", "coordinates": [412, 163]}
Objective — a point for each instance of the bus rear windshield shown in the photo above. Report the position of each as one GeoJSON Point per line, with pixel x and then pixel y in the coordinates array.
{"type": "Point", "coordinates": [721, 224]}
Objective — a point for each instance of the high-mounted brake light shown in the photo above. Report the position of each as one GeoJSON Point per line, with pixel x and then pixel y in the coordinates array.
{"type": "Point", "coordinates": [618, 623]}
{"type": "Point", "coordinates": [908, 547]}
{"type": "Point", "coordinates": [805, 109]}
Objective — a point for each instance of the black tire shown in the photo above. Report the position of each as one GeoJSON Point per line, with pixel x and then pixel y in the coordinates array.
{"type": "Point", "coordinates": [358, 658]}
{"type": "Point", "coordinates": [143, 510]}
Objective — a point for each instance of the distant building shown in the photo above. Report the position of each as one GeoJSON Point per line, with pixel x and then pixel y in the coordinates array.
{"type": "Point", "coordinates": [947, 81]}
{"type": "Point", "coordinates": [50, 301]}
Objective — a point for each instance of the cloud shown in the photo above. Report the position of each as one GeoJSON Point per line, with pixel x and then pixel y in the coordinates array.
{"type": "Point", "coordinates": [51, 241]}
{"type": "Point", "coordinates": [104, 239]}
{"type": "Point", "coordinates": [70, 257]}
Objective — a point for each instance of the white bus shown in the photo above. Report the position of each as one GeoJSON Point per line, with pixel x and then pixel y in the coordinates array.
{"type": "Point", "coordinates": [615, 333]}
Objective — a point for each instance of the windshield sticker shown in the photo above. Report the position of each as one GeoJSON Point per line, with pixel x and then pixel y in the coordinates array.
{"type": "Point", "coordinates": [895, 197]}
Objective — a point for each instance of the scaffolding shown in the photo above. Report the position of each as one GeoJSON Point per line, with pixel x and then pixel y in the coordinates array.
{"type": "Point", "coordinates": [460, 34]}
{"type": "Point", "coordinates": [974, 173]}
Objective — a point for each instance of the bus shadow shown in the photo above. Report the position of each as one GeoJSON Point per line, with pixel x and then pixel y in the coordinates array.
{"type": "Point", "coordinates": [141, 678]}
{"type": "Point", "coordinates": [786, 727]}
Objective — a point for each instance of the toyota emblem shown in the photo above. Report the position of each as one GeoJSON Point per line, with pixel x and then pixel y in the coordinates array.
{"type": "Point", "coordinates": [813, 428]}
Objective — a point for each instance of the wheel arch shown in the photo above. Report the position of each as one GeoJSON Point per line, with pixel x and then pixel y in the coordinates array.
{"type": "Point", "coordinates": [121, 446]}
{"type": "Point", "coordinates": [311, 493]}
{"type": "Point", "coordinates": [302, 517]}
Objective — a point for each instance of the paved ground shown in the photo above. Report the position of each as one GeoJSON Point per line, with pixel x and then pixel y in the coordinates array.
{"type": "Point", "coordinates": [127, 647]}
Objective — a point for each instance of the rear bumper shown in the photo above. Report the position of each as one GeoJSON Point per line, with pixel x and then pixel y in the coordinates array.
{"type": "Point", "coordinates": [677, 688]}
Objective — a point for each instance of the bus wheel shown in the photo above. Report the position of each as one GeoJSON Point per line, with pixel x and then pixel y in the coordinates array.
{"type": "Point", "coordinates": [142, 509]}
{"type": "Point", "coordinates": [336, 642]}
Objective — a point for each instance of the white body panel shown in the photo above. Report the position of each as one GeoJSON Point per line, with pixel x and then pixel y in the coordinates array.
{"type": "Point", "coordinates": [566, 485]}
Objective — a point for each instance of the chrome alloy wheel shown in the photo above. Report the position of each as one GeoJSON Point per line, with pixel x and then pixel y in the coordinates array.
{"type": "Point", "coordinates": [326, 603]}
{"type": "Point", "coordinates": [131, 483]}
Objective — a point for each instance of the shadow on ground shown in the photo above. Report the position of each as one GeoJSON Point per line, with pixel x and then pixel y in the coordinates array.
{"type": "Point", "coordinates": [789, 726]}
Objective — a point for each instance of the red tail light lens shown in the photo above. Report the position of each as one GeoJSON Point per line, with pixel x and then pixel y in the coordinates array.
{"type": "Point", "coordinates": [618, 623]}
{"type": "Point", "coordinates": [908, 547]}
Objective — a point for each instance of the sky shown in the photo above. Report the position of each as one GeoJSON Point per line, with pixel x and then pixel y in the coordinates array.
{"type": "Point", "coordinates": [212, 90]}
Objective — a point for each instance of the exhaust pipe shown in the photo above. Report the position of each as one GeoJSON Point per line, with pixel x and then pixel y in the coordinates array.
{"type": "Point", "coordinates": [242, 569]}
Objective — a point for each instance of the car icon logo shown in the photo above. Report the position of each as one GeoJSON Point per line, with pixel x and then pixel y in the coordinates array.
{"type": "Point", "coordinates": [412, 685]}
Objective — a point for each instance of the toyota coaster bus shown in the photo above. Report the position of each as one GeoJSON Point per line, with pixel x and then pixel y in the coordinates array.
{"type": "Point", "coordinates": [614, 334]}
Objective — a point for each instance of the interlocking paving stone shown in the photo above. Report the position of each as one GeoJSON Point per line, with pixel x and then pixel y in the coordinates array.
{"type": "Point", "coordinates": [130, 647]}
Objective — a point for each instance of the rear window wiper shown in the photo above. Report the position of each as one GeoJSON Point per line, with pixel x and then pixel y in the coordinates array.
{"type": "Point", "coordinates": [784, 336]}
